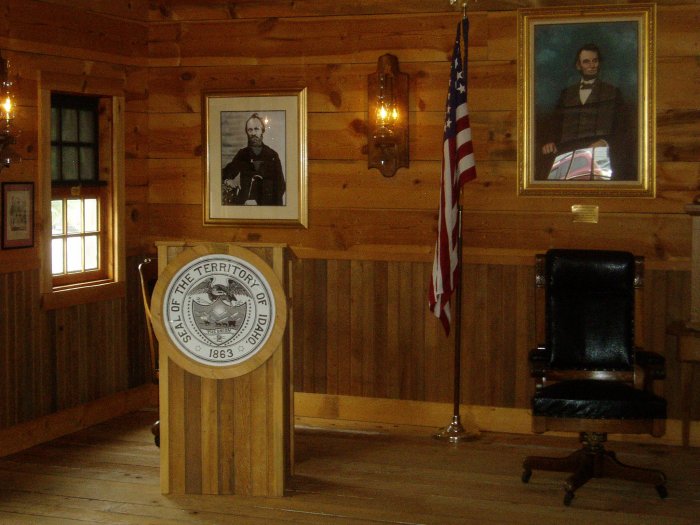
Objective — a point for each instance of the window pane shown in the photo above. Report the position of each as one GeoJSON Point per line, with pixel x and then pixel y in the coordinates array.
{"type": "Point", "coordinates": [54, 124]}
{"type": "Point", "coordinates": [74, 216]}
{"type": "Point", "coordinates": [69, 124]}
{"type": "Point", "coordinates": [77, 222]}
{"type": "Point", "coordinates": [91, 221]}
{"type": "Point", "coordinates": [74, 254]}
{"type": "Point", "coordinates": [87, 126]}
{"type": "Point", "coordinates": [91, 252]}
{"type": "Point", "coordinates": [57, 256]}
{"type": "Point", "coordinates": [87, 164]}
{"type": "Point", "coordinates": [55, 166]}
{"type": "Point", "coordinates": [57, 217]}
{"type": "Point", "coordinates": [69, 163]}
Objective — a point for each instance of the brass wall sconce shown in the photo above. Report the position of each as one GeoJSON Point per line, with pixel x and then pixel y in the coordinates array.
{"type": "Point", "coordinates": [387, 130]}
{"type": "Point", "coordinates": [8, 134]}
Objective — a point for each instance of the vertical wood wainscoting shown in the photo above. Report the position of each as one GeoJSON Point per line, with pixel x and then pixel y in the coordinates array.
{"type": "Point", "coordinates": [363, 329]}
{"type": "Point", "coordinates": [55, 361]}
{"type": "Point", "coordinates": [26, 362]}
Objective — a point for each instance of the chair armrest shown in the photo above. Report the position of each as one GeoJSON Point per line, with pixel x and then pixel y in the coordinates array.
{"type": "Point", "coordinates": [653, 364]}
{"type": "Point", "coordinates": [539, 359]}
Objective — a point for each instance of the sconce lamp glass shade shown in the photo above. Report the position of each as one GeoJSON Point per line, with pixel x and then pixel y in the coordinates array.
{"type": "Point", "coordinates": [386, 114]}
{"type": "Point", "coordinates": [8, 107]}
{"type": "Point", "coordinates": [387, 130]}
{"type": "Point", "coordinates": [8, 135]}
{"type": "Point", "coordinates": [7, 99]}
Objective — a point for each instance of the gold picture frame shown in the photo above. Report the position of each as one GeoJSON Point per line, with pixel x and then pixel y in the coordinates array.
{"type": "Point", "coordinates": [263, 182]}
{"type": "Point", "coordinates": [562, 53]}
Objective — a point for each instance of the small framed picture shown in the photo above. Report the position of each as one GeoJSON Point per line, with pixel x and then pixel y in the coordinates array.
{"type": "Point", "coordinates": [255, 160]}
{"type": "Point", "coordinates": [586, 101]}
{"type": "Point", "coordinates": [18, 215]}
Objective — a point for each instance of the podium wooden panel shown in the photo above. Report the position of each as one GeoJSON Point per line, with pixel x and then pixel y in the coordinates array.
{"type": "Point", "coordinates": [227, 436]}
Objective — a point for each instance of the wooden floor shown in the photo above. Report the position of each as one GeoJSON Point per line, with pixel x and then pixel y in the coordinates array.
{"type": "Point", "coordinates": [109, 474]}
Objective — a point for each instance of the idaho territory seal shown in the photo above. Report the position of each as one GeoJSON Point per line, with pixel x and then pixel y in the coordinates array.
{"type": "Point", "coordinates": [219, 310]}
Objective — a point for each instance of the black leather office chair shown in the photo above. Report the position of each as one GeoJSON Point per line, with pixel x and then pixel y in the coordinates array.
{"type": "Point", "coordinates": [590, 378]}
{"type": "Point", "coordinates": [148, 275]}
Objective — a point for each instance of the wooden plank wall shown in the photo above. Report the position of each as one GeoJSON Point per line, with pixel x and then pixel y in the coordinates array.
{"type": "Point", "coordinates": [362, 328]}
{"type": "Point", "coordinates": [63, 358]}
{"type": "Point", "coordinates": [363, 267]}
{"type": "Point", "coordinates": [350, 206]}
{"type": "Point", "coordinates": [26, 379]}
{"type": "Point", "coordinates": [89, 342]}
{"type": "Point", "coordinates": [363, 227]}
{"type": "Point", "coordinates": [53, 360]}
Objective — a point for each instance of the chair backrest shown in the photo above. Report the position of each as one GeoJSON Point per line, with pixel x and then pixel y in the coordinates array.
{"type": "Point", "coordinates": [148, 275]}
{"type": "Point", "coordinates": [589, 309]}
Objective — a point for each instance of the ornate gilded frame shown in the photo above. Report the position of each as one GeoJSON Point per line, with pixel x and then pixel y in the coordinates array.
{"type": "Point", "coordinates": [548, 41]}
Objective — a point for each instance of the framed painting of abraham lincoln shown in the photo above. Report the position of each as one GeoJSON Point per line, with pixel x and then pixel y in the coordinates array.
{"type": "Point", "coordinates": [586, 101]}
{"type": "Point", "coordinates": [255, 159]}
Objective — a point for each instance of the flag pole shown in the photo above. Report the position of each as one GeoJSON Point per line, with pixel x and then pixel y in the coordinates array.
{"type": "Point", "coordinates": [455, 431]}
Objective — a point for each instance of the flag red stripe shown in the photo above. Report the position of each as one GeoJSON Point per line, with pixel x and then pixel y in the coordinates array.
{"type": "Point", "coordinates": [458, 167]}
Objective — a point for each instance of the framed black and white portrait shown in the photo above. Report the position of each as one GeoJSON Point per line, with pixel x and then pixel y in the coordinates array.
{"type": "Point", "coordinates": [255, 159]}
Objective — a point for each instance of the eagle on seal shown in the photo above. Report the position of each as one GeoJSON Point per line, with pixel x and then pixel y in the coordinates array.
{"type": "Point", "coordinates": [229, 293]}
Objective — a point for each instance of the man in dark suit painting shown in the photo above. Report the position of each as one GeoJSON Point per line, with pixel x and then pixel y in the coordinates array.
{"type": "Point", "coordinates": [254, 176]}
{"type": "Point", "coordinates": [588, 137]}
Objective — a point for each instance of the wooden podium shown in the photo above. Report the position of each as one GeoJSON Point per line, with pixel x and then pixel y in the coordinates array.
{"type": "Point", "coordinates": [224, 429]}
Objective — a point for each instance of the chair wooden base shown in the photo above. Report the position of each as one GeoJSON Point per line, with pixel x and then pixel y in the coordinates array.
{"type": "Point", "coordinates": [592, 461]}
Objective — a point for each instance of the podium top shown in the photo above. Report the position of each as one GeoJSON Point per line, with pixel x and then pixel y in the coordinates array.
{"type": "Point", "coordinates": [194, 242]}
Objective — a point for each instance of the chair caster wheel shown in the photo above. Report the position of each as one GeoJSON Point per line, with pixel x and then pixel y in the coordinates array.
{"type": "Point", "coordinates": [527, 474]}
{"type": "Point", "coordinates": [568, 497]}
{"type": "Point", "coordinates": [661, 490]}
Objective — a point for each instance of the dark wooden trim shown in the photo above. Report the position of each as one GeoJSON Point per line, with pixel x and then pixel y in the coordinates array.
{"type": "Point", "coordinates": [52, 426]}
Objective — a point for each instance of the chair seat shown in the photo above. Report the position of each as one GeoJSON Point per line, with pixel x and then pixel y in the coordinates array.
{"type": "Point", "coordinates": [597, 399]}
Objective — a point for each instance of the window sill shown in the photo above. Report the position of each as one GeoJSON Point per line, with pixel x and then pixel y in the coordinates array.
{"type": "Point", "coordinates": [88, 293]}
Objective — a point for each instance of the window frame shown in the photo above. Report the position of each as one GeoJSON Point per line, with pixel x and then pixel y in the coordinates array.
{"type": "Point", "coordinates": [111, 284]}
{"type": "Point", "coordinates": [85, 276]}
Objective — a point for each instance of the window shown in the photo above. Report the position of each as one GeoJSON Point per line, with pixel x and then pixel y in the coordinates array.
{"type": "Point", "coordinates": [78, 196]}
{"type": "Point", "coordinates": [81, 160]}
{"type": "Point", "coordinates": [76, 190]}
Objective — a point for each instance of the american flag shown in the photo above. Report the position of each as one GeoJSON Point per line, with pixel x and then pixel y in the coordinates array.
{"type": "Point", "coordinates": [457, 168]}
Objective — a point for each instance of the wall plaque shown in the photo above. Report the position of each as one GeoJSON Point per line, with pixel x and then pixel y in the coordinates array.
{"type": "Point", "coordinates": [219, 311]}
